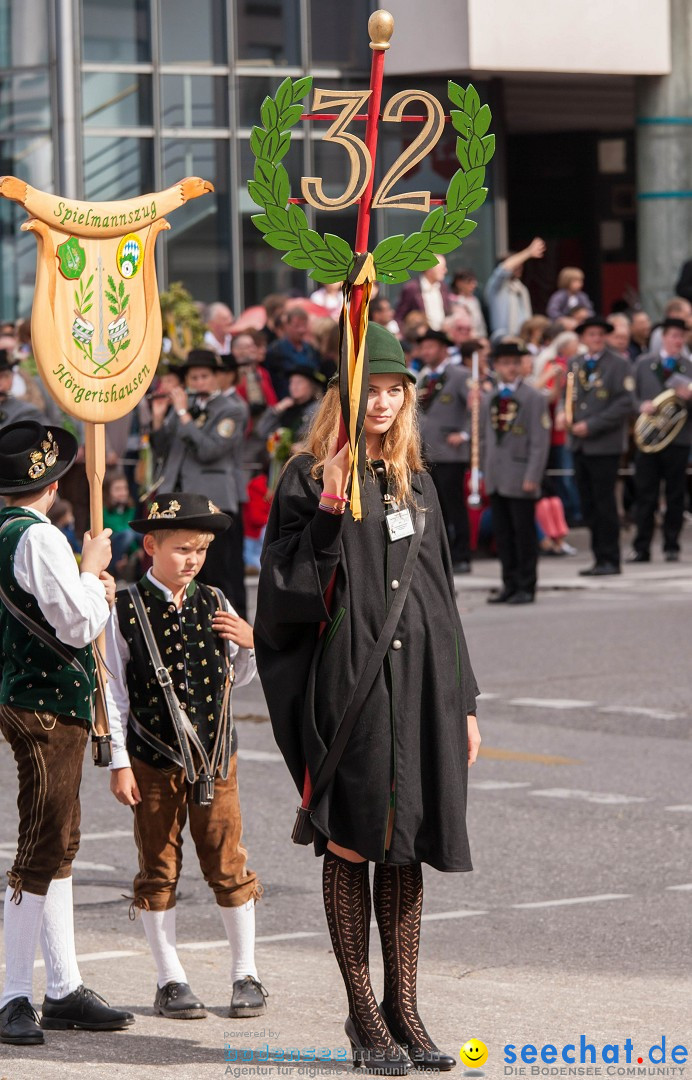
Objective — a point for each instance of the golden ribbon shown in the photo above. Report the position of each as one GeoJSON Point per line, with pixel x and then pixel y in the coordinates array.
{"type": "Point", "coordinates": [354, 376]}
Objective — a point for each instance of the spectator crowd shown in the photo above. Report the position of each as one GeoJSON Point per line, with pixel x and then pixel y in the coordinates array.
{"type": "Point", "coordinates": [554, 396]}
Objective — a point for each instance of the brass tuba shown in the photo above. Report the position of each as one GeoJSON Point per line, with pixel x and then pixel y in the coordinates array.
{"type": "Point", "coordinates": [656, 431]}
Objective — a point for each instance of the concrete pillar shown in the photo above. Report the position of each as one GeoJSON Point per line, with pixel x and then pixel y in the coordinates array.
{"type": "Point", "coordinates": [664, 167]}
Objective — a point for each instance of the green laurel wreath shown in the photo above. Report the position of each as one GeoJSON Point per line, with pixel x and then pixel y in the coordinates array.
{"type": "Point", "coordinates": [328, 258]}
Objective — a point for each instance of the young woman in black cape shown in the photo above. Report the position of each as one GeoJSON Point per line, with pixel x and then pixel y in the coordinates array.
{"type": "Point", "coordinates": [398, 796]}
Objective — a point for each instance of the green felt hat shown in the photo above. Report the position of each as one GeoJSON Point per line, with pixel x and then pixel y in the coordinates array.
{"type": "Point", "coordinates": [385, 353]}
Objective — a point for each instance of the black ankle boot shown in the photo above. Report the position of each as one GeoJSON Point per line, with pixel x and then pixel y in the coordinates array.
{"type": "Point", "coordinates": [398, 895]}
{"type": "Point", "coordinates": [346, 889]}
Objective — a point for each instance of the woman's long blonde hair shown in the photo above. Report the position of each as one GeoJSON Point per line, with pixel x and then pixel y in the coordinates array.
{"type": "Point", "coordinates": [400, 445]}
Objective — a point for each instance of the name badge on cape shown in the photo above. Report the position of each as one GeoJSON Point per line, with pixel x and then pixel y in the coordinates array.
{"type": "Point", "coordinates": [399, 524]}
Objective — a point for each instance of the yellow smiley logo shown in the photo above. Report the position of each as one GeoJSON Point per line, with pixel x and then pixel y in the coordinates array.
{"type": "Point", "coordinates": [474, 1053]}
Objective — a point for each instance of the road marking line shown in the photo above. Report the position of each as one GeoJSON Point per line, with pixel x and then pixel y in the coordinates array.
{"type": "Point", "coordinates": [681, 888]}
{"type": "Point", "coordinates": [79, 865]}
{"type": "Point", "coordinates": [436, 916]}
{"type": "Point", "coordinates": [497, 754]}
{"type": "Point", "coordinates": [199, 946]}
{"type": "Point", "coordinates": [607, 798]}
{"type": "Point", "coordinates": [684, 808]}
{"type": "Point", "coordinates": [551, 703]}
{"type": "Point", "coordinates": [637, 710]}
{"type": "Point", "coordinates": [574, 900]}
{"type": "Point", "coordinates": [498, 785]}
{"type": "Point", "coordinates": [259, 755]}
{"type": "Point", "coordinates": [105, 835]}
{"type": "Point", "coordinates": [84, 957]}
{"type": "Point", "coordinates": [485, 696]}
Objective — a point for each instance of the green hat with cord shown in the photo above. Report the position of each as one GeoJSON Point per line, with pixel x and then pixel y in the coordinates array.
{"type": "Point", "coordinates": [385, 353]}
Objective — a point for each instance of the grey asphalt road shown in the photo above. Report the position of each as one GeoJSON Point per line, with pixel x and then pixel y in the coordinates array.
{"type": "Point", "coordinates": [575, 921]}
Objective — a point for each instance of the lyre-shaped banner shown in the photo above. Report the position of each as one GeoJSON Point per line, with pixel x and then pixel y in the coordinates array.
{"type": "Point", "coordinates": [96, 321]}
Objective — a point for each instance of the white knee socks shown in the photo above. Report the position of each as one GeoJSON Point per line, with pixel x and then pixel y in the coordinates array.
{"type": "Point", "coordinates": [57, 940]}
{"type": "Point", "coordinates": [22, 929]}
{"type": "Point", "coordinates": [159, 926]}
{"type": "Point", "coordinates": [240, 931]}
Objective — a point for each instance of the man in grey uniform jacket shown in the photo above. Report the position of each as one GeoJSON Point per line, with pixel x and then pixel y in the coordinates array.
{"type": "Point", "coordinates": [669, 369]}
{"type": "Point", "coordinates": [603, 404]}
{"type": "Point", "coordinates": [515, 427]}
{"type": "Point", "coordinates": [197, 433]}
{"type": "Point", "coordinates": [443, 390]}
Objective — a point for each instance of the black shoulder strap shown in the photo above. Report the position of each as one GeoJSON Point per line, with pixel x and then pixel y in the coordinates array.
{"type": "Point", "coordinates": [222, 750]}
{"type": "Point", "coordinates": [355, 706]}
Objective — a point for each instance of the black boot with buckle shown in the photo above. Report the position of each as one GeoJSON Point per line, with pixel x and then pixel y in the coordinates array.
{"type": "Point", "coordinates": [346, 888]}
{"type": "Point", "coordinates": [398, 899]}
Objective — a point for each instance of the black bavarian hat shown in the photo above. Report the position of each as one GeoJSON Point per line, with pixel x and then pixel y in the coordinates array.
{"type": "Point", "coordinates": [435, 335]}
{"type": "Point", "coordinates": [33, 456]}
{"type": "Point", "coordinates": [6, 361]}
{"type": "Point", "coordinates": [595, 320]}
{"type": "Point", "coordinates": [182, 510]}
{"type": "Point", "coordinates": [509, 348]}
{"type": "Point", "coordinates": [308, 372]}
{"type": "Point", "coordinates": [672, 323]}
{"type": "Point", "coordinates": [201, 358]}
{"type": "Point", "coordinates": [228, 362]}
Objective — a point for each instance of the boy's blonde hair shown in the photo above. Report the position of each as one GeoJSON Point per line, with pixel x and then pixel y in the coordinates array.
{"type": "Point", "coordinates": [193, 534]}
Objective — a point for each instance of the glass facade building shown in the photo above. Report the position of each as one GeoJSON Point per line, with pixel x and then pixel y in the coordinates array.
{"type": "Point", "coordinates": [107, 99]}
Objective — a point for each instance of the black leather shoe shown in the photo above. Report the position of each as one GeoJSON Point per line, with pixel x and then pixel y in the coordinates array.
{"type": "Point", "coordinates": [462, 567]}
{"type": "Point", "coordinates": [521, 598]}
{"type": "Point", "coordinates": [248, 998]}
{"type": "Point", "coordinates": [600, 570]}
{"type": "Point", "coordinates": [499, 597]}
{"type": "Point", "coordinates": [419, 1058]}
{"type": "Point", "coordinates": [638, 556]}
{"type": "Point", "coordinates": [671, 556]}
{"type": "Point", "coordinates": [83, 1009]}
{"type": "Point", "coordinates": [377, 1062]}
{"type": "Point", "coordinates": [19, 1023]}
{"type": "Point", "coordinates": [176, 1001]}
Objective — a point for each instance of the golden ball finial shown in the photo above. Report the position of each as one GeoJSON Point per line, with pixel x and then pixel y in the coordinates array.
{"type": "Point", "coordinates": [380, 28]}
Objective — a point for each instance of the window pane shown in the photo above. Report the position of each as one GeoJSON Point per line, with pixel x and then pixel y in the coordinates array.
{"type": "Point", "coordinates": [339, 33]}
{"type": "Point", "coordinates": [194, 100]}
{"type": "Point", "coordinates": [268, 31]}
{"type": "Point", "coordinates": [114, 99]}
{"type": "Point", "coordinates": [24, 103]}
{"type": "Point", "coordinates": [31, 160]}
{"type": "Point", "coordinates": [193, 31]}
{"type": "Point", "coordinates": [24, 26]}
{"type": "Point", "coordinates": [117, 168]}
{"type": "Point", "coordinates": [116, 33]}
{"type": "Point", "coordinates": [263, 271]}
{"type": "Point", "coordinates": [198, 246]}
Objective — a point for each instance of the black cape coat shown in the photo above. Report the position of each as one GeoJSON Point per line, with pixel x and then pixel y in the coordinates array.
{"type": "Point", "coordinates": [410, 742]}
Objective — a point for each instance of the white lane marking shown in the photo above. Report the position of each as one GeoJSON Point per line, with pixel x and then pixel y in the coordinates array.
{"type": "Point", "coordinates": [551, 703]}
{"type": "Point", "coordinates": [498, 785]}
{"type": "Point", "coordinates": [83, 865]}
{"type": "Point", "coordinates": [259, 755]}
{"type": "Point", "coordinates": [607, 798]}
{"type": "Point", "coordinates": [683, 808]}
{"type": "Point", "coordinates": [437, 915]}
{"type": "Point", "coordinates": [485, 696]}
{"type": "Point", "coordinates": [105, 835]}
{"type": "Point", "coordinates": [83, 957]}
{"type": "Point", "coordinates": [638, 710]}
{"type": "Point", "coordinates": [200, 946]}
{"type": "Point", "coordinates": [681, 888]}
{"type": "Point", "coordinates": [574, 900]}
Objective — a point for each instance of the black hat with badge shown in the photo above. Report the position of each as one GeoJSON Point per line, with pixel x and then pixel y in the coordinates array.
{"type": "Point", "coordinates": [509, 348]}
{"type": "Point", "coordinates": [201, 358]}
{"type": "Point", "coordinates": [6, 361]}
{"type": "Point", "coordinates": [597, 321]}
{"type": "Point", "coordinates": [436, 335]}
{"type": "Point", "coordinates": [182, 510]}
{"type": "Point", "coordinates": [33, 456]}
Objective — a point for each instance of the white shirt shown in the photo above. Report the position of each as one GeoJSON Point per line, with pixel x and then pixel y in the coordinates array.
{"type": "Point", "coordinates": [213, 343]}
{"type": "Point", "coordinates": [117, 657]}
{"type": "Point", "coordinates": [433, 303]}
{"type": "Point", "coordinates": [44, 566]}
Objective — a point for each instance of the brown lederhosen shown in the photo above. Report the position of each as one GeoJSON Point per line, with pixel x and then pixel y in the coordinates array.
{"type": "Point", "coordinates": [216, 831]}
{"type": "Point", "coordinates": [49, 752]}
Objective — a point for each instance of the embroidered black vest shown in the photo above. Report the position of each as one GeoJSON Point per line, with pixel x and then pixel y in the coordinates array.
{"type": "Point", "coordinates": [193, 654]}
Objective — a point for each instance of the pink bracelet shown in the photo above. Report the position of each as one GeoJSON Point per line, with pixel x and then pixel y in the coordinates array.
{"type": "Point", "coordinates": [337, 498]}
